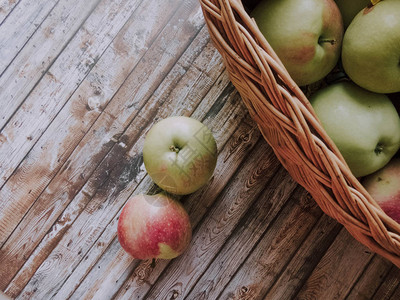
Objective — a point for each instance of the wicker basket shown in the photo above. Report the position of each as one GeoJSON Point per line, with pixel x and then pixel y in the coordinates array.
{"type": "Point", "coordinates": [288, 123]}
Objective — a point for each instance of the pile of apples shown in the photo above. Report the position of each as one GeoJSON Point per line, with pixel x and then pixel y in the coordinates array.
{"type": "Point", "coordinates": [180, 155]}
{"type": "Point", "coordinates": [360, 38]}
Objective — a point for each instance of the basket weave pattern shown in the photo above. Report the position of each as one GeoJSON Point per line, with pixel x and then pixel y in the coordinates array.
{"type": "Point", "coordinates": [288, 123]}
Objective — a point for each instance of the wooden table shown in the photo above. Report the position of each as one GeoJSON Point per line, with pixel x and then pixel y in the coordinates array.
{"type": "Point", "coordinates": [81, 83]}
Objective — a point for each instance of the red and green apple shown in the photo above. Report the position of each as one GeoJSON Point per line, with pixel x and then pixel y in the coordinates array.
{"type": "Point", "coordinates": [384, 187]}
{"type": "Point", "coordinates": [305, 34]}
{"type": "Point", "coordinates": [154, 226]}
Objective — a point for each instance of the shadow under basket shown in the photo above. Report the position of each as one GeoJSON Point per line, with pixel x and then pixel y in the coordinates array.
{"type": "Point", "coordinates": [290, 126]}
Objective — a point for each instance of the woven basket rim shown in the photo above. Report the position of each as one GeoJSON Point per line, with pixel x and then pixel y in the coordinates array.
{"type": "Point", "coordinates": [267, 89]}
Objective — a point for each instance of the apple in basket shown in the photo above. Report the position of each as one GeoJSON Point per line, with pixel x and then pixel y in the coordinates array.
{"type": "Point", "coordinates": [305, 34]}
{"type": "Point", "coordinates": [371, 48]}
{"type": "Point", "coordinates": [180, 154]}
{"type": "Point", "coordinates": [384, 187]}
{"type": "Point", "coordinates": [154, 226]}
{"type": "Point", "coordinates": [364, 126]}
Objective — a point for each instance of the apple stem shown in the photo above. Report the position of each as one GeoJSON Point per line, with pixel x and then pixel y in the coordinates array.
{"type": "Point", "coordinates": [153, 263]}
{"type": "Point", "coordinates": [378, 149]}
{"type": "Point", "coordinates": [332, 42]}
{"type": "Point", "coordinates": [173, 148]}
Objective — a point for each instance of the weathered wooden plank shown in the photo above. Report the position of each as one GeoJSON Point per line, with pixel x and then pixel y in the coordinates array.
{"type": "Point", "coordinates": [97, 198]}
{"type": "Point", "coordinates": [19, 26]}
{"type": "Point", "coordinates": [119, 264]}
{"type": "Point", "coordinates": [34, 60]}
{"type": "Point", "coordinates": [35, 125]}
{"type": "Point", "coordinates": [97, 89]}
{"type": "Point", "coordinates": [338, 269]}
{"type": "Point", "coordinates": [83, 109]}
{"type": "Point", "coordinates": [106, 31]}
{"type": "Point", "coordinates": [6, 7]}
{"type": "Point", "coordinates": [389, 285]}
{"type": "Point", "coordinates": [305, 259]}
{"type": "Point", "coordinates": [59, 83]}
{"type": "Point", "coordinates": [396, 294]}
{"type": "Point", "coordinates": [50, 152]}
{"type": "Point", "coordinates": [370, 279]}
{"type": "Point", "coordinates": [95, 142]}
{"type": "Point", "coordinates": [275, 250]}
{"type": "Point", "coordinates": [245, 237]}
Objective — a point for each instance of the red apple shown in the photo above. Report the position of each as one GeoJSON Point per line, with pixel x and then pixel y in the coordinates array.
{"type": "Point", "coordinates": [384, 187]}
{"type": "Point", "coordinates": [155, 226]}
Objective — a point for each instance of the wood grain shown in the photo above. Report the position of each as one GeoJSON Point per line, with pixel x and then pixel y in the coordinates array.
{"type": "Point", "coordinates": [76, 118]}
{"type": "Point", "coordinates": [264, 264]}
{"type": "Point", "coordinates": [19, 26]}
{"type": "Point", "coordinates": [50, 156]}
{"type": "Point", "coordinates": [54, 90]}
{"type": "Point", "coordinates": [33, 64]}
{"type": "Point", "coordinates": [338, 269]}
{"type": "Point", "coordinates": [245, 237]}
{"type": "Point", "coordinates": [6, 6]}
{"type": "Point", "coordinates": [370, 280]}
{"type": "Point", "coordinates": [389, 285]}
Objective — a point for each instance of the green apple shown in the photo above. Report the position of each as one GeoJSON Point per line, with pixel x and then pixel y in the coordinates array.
{"type": "Point", "coordinates": [350, 8]}
{"type": "Point", "coordinates": [154, 226]}
{"type": "Point", "coordinates": [371, 48]}
{"type": "Point", "coordinates": [384, 187]}
{"type": "Point", "coordinates": [180, 154]}
{"type": "Point", "coordinates": [305, 34]}
{"type": "Point", "coordinates": [363, 125]}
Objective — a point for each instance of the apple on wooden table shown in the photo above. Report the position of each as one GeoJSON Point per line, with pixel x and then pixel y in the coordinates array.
{"type": "Point", "coordinates": [384, 187]}
{"type": "Point", "coordinates": [305, 34]}
{"type": "Point", "coordinates": [364, 126]}
{"type": "Point", "coordinates": [180, 154]}
{"type": "Point", "coordinates": [371, 48]}
{"type": "Point", "coordinates": [154, 226]}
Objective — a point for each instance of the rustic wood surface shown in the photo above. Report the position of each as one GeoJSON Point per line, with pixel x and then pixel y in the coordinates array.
{"type": "Point", "coordinates": [81, 84]}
